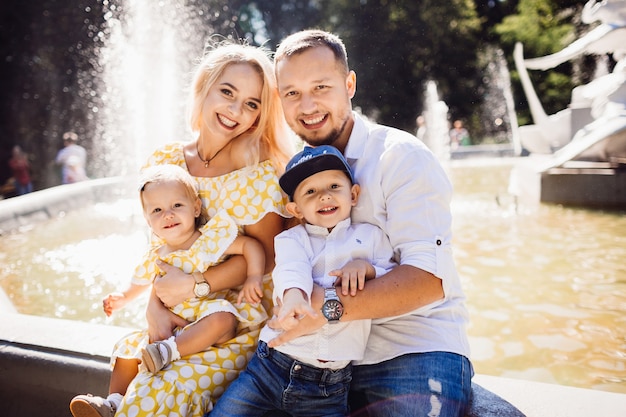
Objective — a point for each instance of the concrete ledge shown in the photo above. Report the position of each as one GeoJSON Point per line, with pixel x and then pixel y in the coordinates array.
{"type": "Point", "coordinates": [490, 150]}
{"type": "Point", "coordinates": [44, 362]}
{"type": "Point", "coordinates": [537, 399]}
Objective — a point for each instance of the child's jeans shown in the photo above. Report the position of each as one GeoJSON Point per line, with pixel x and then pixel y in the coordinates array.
{"type": "Point", "coordinates": [274, 381]}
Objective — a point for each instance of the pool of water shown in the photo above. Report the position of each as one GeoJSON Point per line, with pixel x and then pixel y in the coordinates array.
{"type": "Point", "coordinates": [545, 285]}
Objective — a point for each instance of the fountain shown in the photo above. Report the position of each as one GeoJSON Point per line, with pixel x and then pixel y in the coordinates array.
{"type": "Point", "coordinates": [45, 361]}
{"type": "Point", "coordinates": [435, 115]}
{"type": "Point", "coordinates": [580, 152]}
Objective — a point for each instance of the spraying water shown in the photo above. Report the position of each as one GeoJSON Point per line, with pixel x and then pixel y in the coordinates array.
{"type": "Point", "coordinates": [435, 114]}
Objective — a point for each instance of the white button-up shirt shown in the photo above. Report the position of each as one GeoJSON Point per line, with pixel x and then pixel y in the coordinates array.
{"type": "Point", "coordinates": [405, 192]}
{"type": "Point", "coordinates": [305, 254]}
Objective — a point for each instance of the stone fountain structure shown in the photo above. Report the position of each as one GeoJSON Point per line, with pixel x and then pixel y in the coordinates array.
{"type": "Point", "coordinates": [578, 155]}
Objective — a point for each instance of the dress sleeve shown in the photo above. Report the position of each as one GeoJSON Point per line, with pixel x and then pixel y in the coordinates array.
{"type": "Point", "coordinates": [147, 270]}
{"type": "Point", "coordinates": [171, 153]}
{"type": "Point", "coordinates": [253, 193]}
{"type": "Point", "coordinates": [217, 235]}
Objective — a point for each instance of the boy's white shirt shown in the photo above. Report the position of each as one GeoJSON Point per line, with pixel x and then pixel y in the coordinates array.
{"type": "Point", "coordinates": [305, 254]}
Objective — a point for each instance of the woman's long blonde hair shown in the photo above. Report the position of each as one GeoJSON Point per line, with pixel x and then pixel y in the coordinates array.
{"type": "Point", "coordinates": [270, 133]}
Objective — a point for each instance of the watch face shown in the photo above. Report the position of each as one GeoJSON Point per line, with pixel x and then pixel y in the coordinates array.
{"type": "Point", "coordinates": [332, 309]}
{"type": "Point", "coordinates": [202, 289]}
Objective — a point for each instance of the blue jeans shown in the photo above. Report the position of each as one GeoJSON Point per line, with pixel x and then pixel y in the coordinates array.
{"type": "Point", "coordinates": [23, 189]}
{"type": "Point", "coordinates": [273, 381]}
{"type": "Point", "coordinates": [434, 384]}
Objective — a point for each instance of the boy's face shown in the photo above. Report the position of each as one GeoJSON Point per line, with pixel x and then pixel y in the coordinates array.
{"type": "Point", "coordinates": [324, 199]}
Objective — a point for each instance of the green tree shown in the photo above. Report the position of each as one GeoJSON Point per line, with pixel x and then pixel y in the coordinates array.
{"type": "Point", "coordinates": [396, 46]}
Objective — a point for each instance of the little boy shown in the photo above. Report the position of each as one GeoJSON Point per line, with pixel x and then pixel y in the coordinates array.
{"type": "Point", "coordinates": [311, 374]}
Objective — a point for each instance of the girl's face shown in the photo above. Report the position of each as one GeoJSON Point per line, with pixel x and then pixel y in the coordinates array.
{"type": "Point", "coordinates": [233, 103]}
{"type": "Point", "coordinates": [170, 212]}
{"type": "Point", "coordinates": [324, 199]}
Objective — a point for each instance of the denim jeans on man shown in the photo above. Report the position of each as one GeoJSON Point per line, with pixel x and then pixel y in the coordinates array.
{"type": "Point", "coordinates": [274, 381]}
{"type": "Point", "coordinates": [434, 384]}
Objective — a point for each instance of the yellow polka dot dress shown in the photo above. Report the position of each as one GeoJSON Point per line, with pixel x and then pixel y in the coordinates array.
{"type": "Point", "coordinates": [191, 385]}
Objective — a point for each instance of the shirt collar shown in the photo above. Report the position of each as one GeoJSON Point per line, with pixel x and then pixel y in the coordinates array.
{"type": "Point", "coordinates": [322, 231]}
{"type": "Point", "coordinates": [358, 138]}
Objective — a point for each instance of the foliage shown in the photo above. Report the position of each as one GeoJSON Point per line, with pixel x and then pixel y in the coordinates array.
{"type": "Point", "coordinates": [395, 47]}
{"type": "Point", "coordinates": [543, 27]}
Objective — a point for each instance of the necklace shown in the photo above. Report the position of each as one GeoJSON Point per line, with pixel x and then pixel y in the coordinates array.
{"type": "Point", "coordinates": [206, 161]}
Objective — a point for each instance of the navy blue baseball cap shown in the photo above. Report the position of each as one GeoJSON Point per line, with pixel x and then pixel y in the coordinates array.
{"type": "Point", "coordinates": [311, 161]}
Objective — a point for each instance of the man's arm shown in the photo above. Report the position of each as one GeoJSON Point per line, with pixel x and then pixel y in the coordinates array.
{"type": "Point", "coordinates": [400, 291]}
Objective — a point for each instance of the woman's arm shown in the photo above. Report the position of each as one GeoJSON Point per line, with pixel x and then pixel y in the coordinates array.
{"type": "Point", "coordinates": [175, 286]}
{"type": "Point", "coordinates": [161, 321]}
{"type": "Point", "coordinates": [265, 230]}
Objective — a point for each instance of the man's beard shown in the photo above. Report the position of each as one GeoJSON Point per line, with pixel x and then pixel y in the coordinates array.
{"type": "Point", "coordinates": [329, 139]}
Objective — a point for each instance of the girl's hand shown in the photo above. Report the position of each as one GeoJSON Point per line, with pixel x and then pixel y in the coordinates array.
{"type": "Point", "coordinates": [112, 302]}
{"type": "Point", "coordinates": [252, 291]}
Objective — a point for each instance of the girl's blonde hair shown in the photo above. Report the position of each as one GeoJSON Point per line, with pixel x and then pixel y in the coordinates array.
{"type": "Point", "coordinates": [173, 173]}
{"type": "Point", "coordinates": [270, 132]}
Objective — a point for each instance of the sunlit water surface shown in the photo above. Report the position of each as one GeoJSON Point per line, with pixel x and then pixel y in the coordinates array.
{"type": "Point", "coordinates": [546, 285]}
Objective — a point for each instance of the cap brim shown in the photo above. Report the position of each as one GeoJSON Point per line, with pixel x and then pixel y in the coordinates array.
{"type": "Point", "coordinates": [290, 180]}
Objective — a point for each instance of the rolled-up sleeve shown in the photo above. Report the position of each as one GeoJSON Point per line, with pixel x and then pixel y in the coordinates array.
{"type": "Point", "coordinates": [417, 198]}
{"type": "Point", "coordinates": [404, 191]}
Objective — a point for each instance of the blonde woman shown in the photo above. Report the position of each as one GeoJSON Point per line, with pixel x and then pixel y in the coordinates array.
{"type": "Point", "coordinates": [240, 149]}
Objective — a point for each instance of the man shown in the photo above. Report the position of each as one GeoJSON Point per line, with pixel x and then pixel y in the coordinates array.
{"type": "Point", "coordinates": [73, 158]}
{"type": "Point", "coordinates": [416, 362]}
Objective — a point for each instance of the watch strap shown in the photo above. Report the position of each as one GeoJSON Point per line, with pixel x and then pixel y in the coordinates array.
{"type": "Point", "coordinates": [197, 276]}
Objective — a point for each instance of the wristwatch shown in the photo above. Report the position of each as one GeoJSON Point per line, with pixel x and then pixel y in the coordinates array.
{"type": "Point", "coordinates": [201, 287]}
{"type": "Point", "coordinates": [332, 308]}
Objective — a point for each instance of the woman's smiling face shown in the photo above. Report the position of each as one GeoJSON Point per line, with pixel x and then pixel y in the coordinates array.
{"type": "Point", "coordinates": [233, 103]}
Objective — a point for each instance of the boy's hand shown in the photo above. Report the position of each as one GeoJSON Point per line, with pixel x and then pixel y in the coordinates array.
{"type": "Point", "coordinates": [353, 275]}
{"type": "Point", "coordinates": [252, 291]}
{"type": "Point", "coordinates": [294, 308]}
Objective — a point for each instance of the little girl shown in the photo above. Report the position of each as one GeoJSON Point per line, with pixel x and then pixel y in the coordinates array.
{"type": "Point", "coordinates": [187, 240]}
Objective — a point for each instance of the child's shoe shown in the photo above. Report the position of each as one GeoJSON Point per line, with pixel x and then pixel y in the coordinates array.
{"type": "Point", "coordinates": [155, 358]}
{"type": "Point", "coordinates": [91, 406]}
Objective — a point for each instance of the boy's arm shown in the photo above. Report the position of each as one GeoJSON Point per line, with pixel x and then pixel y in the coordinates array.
{"type": "Point", "coordinates": [295, 306]}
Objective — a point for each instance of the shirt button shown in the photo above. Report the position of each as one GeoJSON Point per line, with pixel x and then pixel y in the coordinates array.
{"type": "Point", "coordinates": [438, 242]}
{"type": "Point", "coordinates": [297, 368]}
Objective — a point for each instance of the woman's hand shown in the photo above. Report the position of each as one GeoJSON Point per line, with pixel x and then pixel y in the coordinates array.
{"type": "Point", "coordinates": [161, 321]}
{"type": "Point", "coordinates": [174, 287]}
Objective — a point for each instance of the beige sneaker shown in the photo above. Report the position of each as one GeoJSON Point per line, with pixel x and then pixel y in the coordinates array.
{"type": "Point", "coordinates": [152, 358]}
{"type": "Point", "coordinates": [91, 406]}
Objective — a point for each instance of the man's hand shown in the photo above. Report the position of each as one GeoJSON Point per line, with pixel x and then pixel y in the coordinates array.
{"type": "Point", "coordinates": [174, 287]}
